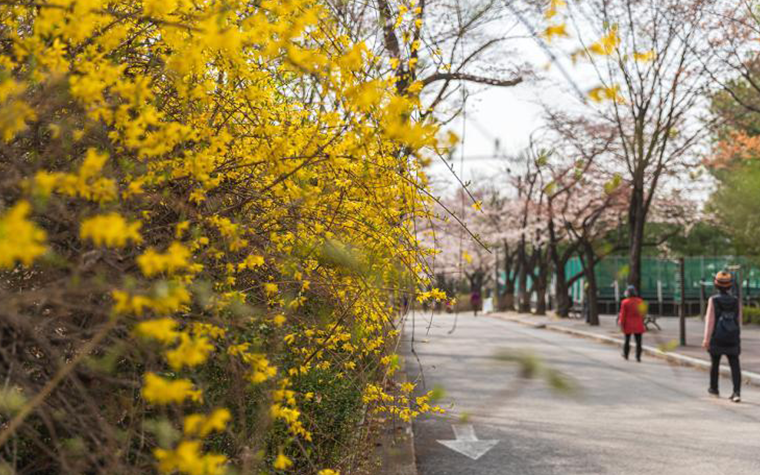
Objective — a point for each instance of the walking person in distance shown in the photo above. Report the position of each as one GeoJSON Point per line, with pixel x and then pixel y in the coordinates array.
{"type": "Point", "coordinates": [475, 301]}
{"type": "Point", "coordinates": [723, 333]}
{"type": "Point", "coordinates": [631, 321]}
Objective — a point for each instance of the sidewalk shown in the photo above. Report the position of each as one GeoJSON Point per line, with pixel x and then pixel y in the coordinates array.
{"type": "Point", "coordinates": [662, 343]}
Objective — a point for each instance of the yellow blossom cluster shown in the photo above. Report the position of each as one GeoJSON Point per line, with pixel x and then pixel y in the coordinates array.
{"type": "Point", "coordinates": [227, 192]}
{"type": "Point", "coordinates": [608, 45]}
{"type": "Point", "coordinates": [176, 257]}
{"type": "Point", "coordinates": [110, 230]}
{"type": "Point", "coordinates": [21, 241]}
{"type": "Point", "coordinates": [159, 390]}
{"type": "Point", "coordinates": [401, 405]}
{"type": "Point", "coordinates": [87, 182]}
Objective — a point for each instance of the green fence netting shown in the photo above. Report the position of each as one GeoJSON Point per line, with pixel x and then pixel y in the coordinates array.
{"type": "Point", "coordinates": [660, 278]}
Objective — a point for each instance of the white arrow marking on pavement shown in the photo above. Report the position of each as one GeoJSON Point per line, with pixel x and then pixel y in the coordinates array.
{"type": "Point", "coordinates": [467, 443]}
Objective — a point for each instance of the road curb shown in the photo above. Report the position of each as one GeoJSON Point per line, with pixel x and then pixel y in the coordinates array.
{"type": "Point", "coordinates": [396, 444]}
{"type": "Point", "coordinates": [395, 447]}
{"type": "Point", "coordinates": [749, 377]}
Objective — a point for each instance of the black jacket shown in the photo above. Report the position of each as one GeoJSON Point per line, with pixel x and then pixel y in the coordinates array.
{"type": "Point", "coordinates": [725, 303]}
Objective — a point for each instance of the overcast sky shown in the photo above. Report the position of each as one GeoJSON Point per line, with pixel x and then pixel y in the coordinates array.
{"type": "Point", "coordinates": [512, 114]}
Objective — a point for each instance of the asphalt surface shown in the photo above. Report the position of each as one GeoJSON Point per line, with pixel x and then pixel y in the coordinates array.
{"type": "Point", "coordinates": [622, 418]}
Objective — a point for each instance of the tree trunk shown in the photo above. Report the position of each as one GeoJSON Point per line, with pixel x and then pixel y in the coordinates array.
{"type": "Point", "coordinates": [510, 286]}
{"type": "Point", "coordinates": [507, 300]}
{"type": "Point", "coordinates": [589, 262]}
{"type": "Point", "coordinates": [636, 223]}
{"type": "Point", "coordinates": [560, 283]}
{"type": "Point", "coordinates": [477, 279]}
{"type": "Point", "coordinates": [523, 296]}
{"type": "Point", "coordinates": [561, 289]}
{"type": "Point", "coordinates": [542, 282]}
{"type": "Point", "coordinates": [540, 289]}
{"type": "Point", "coordinates": [476, 282]}
{"type": "Point", "coordinates": [541, 300]}
{"type": "Point", "coordinates": [559, 261]}
{"type": "Point", "coordinates": [523, 304]}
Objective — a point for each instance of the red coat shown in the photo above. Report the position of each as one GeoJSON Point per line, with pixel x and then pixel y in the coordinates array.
{"type": "Point", "coordinates": [631, 318]}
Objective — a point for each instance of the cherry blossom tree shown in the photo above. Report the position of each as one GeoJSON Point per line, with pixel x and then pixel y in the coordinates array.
{"type": "Point", "coordinates": [649, 61]}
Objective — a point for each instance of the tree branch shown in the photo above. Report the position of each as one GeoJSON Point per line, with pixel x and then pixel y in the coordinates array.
{"type": "Point", "coordinates": [471, 78]}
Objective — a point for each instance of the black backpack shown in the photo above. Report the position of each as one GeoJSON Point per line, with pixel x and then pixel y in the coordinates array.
{"type": "Point", "coordinates": [727, 328]}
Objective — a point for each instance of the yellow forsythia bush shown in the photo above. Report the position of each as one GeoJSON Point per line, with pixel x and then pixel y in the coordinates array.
{"type": "Point", "coordinates": [204, 208]}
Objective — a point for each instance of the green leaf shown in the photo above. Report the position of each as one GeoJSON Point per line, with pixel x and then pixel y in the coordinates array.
{"type": "Point", "coordinates": [11, 401]}
{"type": "Point", "coordinates": [612, 185]}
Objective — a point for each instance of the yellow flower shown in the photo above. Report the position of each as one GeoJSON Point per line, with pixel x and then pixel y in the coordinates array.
{"type": "Point", "coordinates": [93, 163]}
{"type": "Point", "coordinates": [13, 118]}
{"type": "Point", "coordinates": [599, 94]}
{"type": "Point", "coordinates": [644, 57]}
{"type": "Point", "coordinates": [554, 6]}
{"type": "Point", "coordinates": [20, 239]}
{"type": "Point", "coordinates": [328, 471]}
{"type": "Point", "coordinates": [188, 458]}
{"type": "Point", "coordinates": [209, 330]}
{"type": "Point", "coordinates": [158, 390]}
{"type": "Point", "coordinates": [45, 182]}
{"type": "Point", "coordinates": [152, 263]}
{"type": "Point", "coordinates": [125, 303]}
{"type": "Point", "coordinates": [191, 351]}
{"type": "Point", "coordinates": [86, 183]}
{"type": "Point", "coordinates": [201, 425]}
{"type": "Point", "coordinates": [555, 30]}
{"type": "Point", "coordinates": [162, 330]}
{"type": "Point", "coordinates": [110, 230]}
{"type": "Point", "coordinates": [158, 8]}
{"type": "Point", "coordinates": [180, 229]}
{"type": "Point", "coordinates": [607, 44]}
{"type": "Point", "coordinates": [198, 196]}
{"type": "Point", "coordinates": [170, 298]}
{"type": "Point", "coordinates": [261, 369]}
{"type": "Point", "coordinates": [251, 262]}
{"type": "Point", "coordinates": [282, 462]}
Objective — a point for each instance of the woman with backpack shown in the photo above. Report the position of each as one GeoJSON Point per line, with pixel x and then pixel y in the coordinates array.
{"type": "Point", "coordinates": [723, 333]}
{"type": "Point", "coordinates": [631, 321]}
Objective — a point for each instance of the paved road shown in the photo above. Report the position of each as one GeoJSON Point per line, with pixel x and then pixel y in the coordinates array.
{"type": "Point", "coordinates": [626, 418]}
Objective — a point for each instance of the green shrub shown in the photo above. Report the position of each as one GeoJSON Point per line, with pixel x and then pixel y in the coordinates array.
{"type": "Point", "coordinates": [751, 315]}
{"type": "Point", "coordinates": [332, 415]}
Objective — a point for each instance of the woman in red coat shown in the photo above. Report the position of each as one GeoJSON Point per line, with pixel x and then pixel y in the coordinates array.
{"type": "Point", "coordinates": [631, 321]}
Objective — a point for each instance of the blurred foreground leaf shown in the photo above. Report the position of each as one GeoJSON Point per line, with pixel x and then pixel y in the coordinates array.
{"type": "Point", "coordinates": [11, 401]}
{"type": "Point", "coordinates": [668, 346]}
{"type": "Point", "coordinates": [532, 367]}
{"type": "Point", "coordinates": [437, 393]}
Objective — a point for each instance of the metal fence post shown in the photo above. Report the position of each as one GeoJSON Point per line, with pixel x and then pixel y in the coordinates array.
{"type": "Point", "coordinates": [496, 279]}
{"type": "Point", "coordinates": [659, 297]}
{"type": "Point", "coordinates": [682, 310]}
{"type": "Point", "coordinates": [702, 297]}
{"type": "Point", "coordinates": [747, 289]}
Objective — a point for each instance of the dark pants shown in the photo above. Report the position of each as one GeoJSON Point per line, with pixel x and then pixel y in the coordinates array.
{"type": "Point", "coordinates": [736, 372]}
{"type": "Point", "coordinates": [627, 345]}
